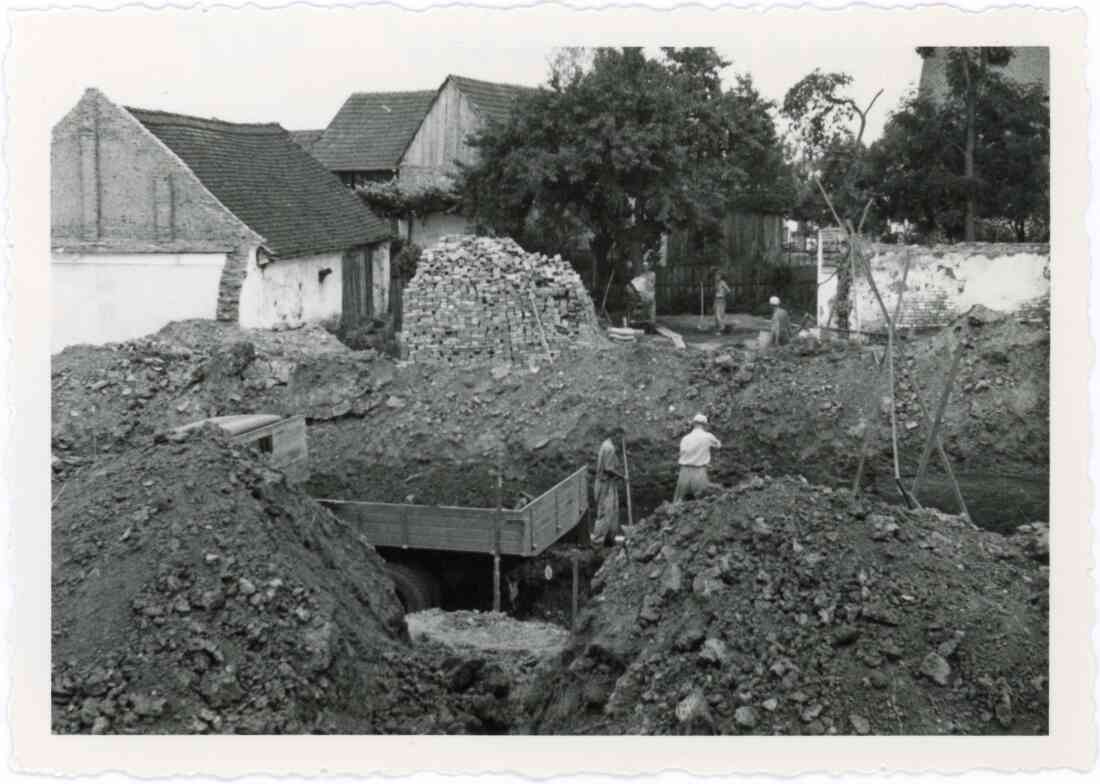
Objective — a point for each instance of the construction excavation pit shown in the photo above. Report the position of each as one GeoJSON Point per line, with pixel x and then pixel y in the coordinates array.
{"type": "Point", "coordinates": [272, 533]}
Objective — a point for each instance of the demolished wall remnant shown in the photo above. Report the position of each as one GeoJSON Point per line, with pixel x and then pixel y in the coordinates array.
{"type": "Point", "coordinates": [944, 282]}
{"type": "Point", "coordinates": [483, 299]}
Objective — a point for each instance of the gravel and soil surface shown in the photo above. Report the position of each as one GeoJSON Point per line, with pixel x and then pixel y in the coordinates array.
{"type": "Point", "coordinates": [195, 591]}
{"type": "Point", "coordinates": [780, 607]}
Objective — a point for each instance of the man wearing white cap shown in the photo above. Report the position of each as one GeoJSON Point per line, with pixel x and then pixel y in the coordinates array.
{"type": "Point", "coordinates": [694, 458]}
{"type": "Point", "coordinates": [781, 323]}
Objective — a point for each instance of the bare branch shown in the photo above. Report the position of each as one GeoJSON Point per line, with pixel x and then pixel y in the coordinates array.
{"type": "Point", "coordinates": [872, 103]}
{"type": "Point", "coordinates": [866, 209]}
{"type": "Point", "coordinates": [828, 201]}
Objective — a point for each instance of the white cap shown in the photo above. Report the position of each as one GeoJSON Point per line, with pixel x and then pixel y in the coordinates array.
{"type": "Point", "coordinates": [773, 301]}
{"type": "Point", "coordinates": [699, 419]}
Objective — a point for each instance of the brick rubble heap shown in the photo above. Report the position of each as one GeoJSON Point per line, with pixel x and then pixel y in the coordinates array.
{"type": "Point", "coordinates": [471, 301]}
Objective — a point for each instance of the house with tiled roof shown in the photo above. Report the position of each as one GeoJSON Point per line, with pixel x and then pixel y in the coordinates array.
{"type": "Point", "coordinates": [415, 137]}
{"type": "Point", "coordinates": [157, 217]}
{"type": "Point", "coordinates": [461, 107]}
{"type": "Point", "coordinates": [306, 139]}
{"type": "Point", "coordinates": [367, 137]}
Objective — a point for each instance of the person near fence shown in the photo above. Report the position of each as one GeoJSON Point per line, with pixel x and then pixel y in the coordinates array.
{"type": "Point", "coordinates": [606, 488]}
{"type": "Point", "coordinates": [781, 323]}
{"type": "Point", "coordinates": [694, 458]}
{"type": "Point", "coordinates": [721, 292]}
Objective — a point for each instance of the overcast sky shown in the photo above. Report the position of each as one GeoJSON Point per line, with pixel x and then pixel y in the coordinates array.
{"type": "Point", "coordinates": [296, 66]}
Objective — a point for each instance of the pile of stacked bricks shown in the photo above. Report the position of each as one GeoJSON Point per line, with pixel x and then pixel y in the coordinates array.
{"type": "Point", "coordinates": [485, 300]}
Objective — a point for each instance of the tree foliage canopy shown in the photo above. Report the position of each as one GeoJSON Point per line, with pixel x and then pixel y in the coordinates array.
{"type": "Point", "coordinates": [828, 127]}
{"type": "Point", "coordinates": [918, 166]}
{"type": "Point", "coordinates": [628, 147]}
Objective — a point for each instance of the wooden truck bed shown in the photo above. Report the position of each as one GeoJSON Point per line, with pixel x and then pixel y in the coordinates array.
{"type": "Point", "coordinates": [524, 532]}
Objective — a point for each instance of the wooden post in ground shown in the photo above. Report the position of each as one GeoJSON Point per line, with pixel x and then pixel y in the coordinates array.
{"type": "Point", "coordinates": [626, 482]}
{"type": "Point", "coordinates": [496, 580]}
{"type": "Point", "coordinates": [607, 289]}
{"type": "Point", "coordinates": [946, 461]}
{"type": "Point", "coordinates": [576, 593]}
{"type": "Point", "coordinates": [496, 542]}
{"type": "Point", "coordinates": [949, 381]}
{"type": "Point", "coordinates": [890, 322]}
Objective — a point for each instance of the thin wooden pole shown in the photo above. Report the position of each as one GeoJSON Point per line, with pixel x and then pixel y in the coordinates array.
{"type": "Point", "coordinates": [946, 461]}
{"type": "Point", "coordinates": [496, 580]}
{"type": "Point", "coordinates": [890, 321]}
{"type": "Point", "coordinates": [607, 289]}
{"type": "Point", "coordinates": [542, 332]}
{"type": "Point", "coordinates": [496, 541]}
{"type": "Point", "coordinates": [626, 481]}
{"type": "Point", "coordinates": [949, 382]}
{"type": "Point", "coordinates": [576, 592]}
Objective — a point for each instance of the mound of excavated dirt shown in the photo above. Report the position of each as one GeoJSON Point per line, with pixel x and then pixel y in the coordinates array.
{"type": "Point", "coordinates": [785, 608]}
{"type": "Point", "coordinates": [109, 398]}
{"type": "Point", "coordinates": [195, 591]}
{"type": "Point", "coordinates": [795, 410]}
{"type": "Point", "coordinates": [804, 409]}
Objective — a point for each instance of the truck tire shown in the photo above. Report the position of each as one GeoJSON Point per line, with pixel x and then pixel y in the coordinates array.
{"type": "Point", "coordinates": [416, 589]}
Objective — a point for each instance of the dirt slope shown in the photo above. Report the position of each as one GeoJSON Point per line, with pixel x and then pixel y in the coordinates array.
{"type": "Point", "coordinates": [195, 591]}
{"type": "Point", "coordinates": [785, 608]}
{"type": "Point", "coordinates": [801, 409]}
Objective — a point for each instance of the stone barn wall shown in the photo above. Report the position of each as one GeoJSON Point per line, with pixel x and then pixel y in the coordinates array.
{"type": "Point", "coordinates": [944, 281]}
{"type": "Point", "coordinates": [475, 299]}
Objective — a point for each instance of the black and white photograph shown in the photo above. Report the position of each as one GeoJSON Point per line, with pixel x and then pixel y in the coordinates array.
{"type": "Point", "coordinates": [530, 387]}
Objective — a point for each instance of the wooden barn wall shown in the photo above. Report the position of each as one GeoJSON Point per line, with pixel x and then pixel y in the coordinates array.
{"type": "Point", "coordinates": [749, 251]}
{"type": "Point", "coordinates": [442, 137]}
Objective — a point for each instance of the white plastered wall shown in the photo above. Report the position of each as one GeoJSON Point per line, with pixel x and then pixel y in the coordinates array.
{"type": "Point", "coordinates": [105, 298]}
{"type": "Point", "coordinates": [943, 282]}
{"type": "Point", "coordinates": [291, 292]}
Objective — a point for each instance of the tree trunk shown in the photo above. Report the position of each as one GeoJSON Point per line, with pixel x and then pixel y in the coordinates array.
{"type": "Point", "coordinates": [601, 248]}
{"type": "Point", "coordinates": [844, 290]}
{"type": "Point", "coordinates": [971, 140]}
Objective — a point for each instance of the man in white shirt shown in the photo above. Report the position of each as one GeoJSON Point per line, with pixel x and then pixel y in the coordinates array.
{"type": "Point", "coordinates": [694, 458]}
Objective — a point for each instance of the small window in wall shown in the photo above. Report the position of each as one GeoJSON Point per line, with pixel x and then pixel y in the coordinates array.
{"type": "Point", "coordinates": [266, 444]}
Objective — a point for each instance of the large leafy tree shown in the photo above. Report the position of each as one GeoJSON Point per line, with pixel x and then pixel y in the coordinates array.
{"type": "Point", "coordinates": [627, 147]}
{"type": "Point", "coordinates": [919, 166]}
{"type": "Point", "coordinates": [970, 71]}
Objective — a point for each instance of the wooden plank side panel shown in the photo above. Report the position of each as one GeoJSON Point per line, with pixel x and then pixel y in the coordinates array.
{"type": "Point", "coordinates": [434, 528]}
{"type": "Point", "coordinates": [557, 512]}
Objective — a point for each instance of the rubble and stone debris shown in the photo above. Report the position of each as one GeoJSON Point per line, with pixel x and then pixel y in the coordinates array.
{"type": "Point", "coordinates": [194, 591]}
{"type": "Point", "coordinates": [486, 300]}
{"type": "Point", "coordinates": [815, 626]}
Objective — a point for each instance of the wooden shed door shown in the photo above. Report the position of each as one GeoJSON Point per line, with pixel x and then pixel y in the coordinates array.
{"type": "Point", "coordinates": [358, 288]}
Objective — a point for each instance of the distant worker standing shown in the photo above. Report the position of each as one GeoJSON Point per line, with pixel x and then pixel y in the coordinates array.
{"type": "Point", "coordinates": [721, 291]}
{"type": "Point", "coordinates": [606, 490]}
{"type": "Point", "coordinates": [694, 458]}
{"type": "Point", "coordinates": [781, 323]}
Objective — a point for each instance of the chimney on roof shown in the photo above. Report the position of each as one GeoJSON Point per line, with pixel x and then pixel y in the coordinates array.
{"type": "Point", "coordinates": [88, 137]}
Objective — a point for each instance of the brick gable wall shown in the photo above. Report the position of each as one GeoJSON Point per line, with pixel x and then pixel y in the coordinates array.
{"type": "Point", "coordinates": [115, 189]}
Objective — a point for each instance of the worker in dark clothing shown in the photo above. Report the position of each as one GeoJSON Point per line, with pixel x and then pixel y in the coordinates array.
{"type": "Point", "coordinates": [606, 490]}
{"type": "Point", "coordinates": [781, 323]}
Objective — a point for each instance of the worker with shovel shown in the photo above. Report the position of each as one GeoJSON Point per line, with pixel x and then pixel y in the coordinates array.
{"type": "Point", "coordinates": [694, 458]}
{"type": "Point", "coordinates": [606, 490]}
